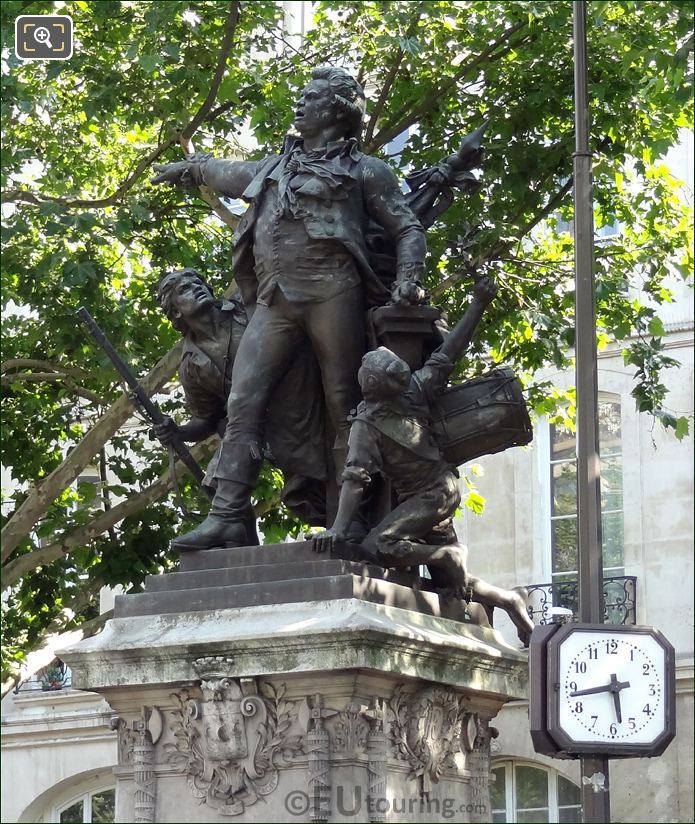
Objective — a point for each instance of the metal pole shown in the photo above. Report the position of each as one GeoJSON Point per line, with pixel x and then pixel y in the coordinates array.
{"type": "Point", "coordinates": [595, 789]}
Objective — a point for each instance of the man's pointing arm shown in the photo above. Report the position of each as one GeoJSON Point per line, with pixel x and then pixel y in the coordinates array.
{"type": "Point", "coordinates": [226, 177]}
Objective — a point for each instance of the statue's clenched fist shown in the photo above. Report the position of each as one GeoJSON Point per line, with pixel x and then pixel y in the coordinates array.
{"type": "Point", "coordinates": [408, 293]}
{"type": "Point", "coordinates": [183, 172]}
{"type": "Point", "coordinates": [485, 290]}
{"type": "Point", "coordinates": [176, 173]}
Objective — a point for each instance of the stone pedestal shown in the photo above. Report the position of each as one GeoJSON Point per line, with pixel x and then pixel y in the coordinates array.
{"type": "Point", "coordinates": [268, 684]}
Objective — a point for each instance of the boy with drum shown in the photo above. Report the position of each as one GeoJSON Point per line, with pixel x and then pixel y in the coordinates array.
{"type": "Point", "coordinates": [390, 434]}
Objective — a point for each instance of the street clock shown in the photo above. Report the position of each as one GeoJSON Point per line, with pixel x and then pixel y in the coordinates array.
{"type": "Point", "coordinates": [599, 689]}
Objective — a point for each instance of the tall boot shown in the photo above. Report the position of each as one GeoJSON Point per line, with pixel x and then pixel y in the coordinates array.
{"type": "Point", "coordinates": [231, 521]}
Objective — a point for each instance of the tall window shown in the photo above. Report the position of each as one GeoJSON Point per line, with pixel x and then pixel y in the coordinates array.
{"type": "Point", "coordinates": [98, 807]}
{"type": "Point", "coordinates": [563, 500]}
{"type": "Point", "coordinates": [524, 793]}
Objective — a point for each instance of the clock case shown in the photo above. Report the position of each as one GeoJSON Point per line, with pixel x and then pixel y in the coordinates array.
{"type": "Point", "coordinates": [544, 659]}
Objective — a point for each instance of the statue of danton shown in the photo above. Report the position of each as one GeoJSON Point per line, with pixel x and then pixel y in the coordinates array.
{"type": "Point", "coordinates": [303, 267]}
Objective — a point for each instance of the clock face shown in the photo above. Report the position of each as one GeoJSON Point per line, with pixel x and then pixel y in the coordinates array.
{"type": "Point", "coordinates": [611, 687]}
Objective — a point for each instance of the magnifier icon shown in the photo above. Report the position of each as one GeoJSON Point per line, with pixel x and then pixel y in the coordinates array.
{"type": "Point", "coordinates": [42, 35]}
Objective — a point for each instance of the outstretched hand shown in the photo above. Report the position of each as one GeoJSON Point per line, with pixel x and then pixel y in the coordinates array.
{"type": "Point", "coordinates": [174, 173]}
{"type": "Point", "coordinates": [485, 290]}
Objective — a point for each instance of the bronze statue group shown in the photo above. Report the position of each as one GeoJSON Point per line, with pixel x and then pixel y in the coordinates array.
{"type": "Point", "coordinates": [290, 369]}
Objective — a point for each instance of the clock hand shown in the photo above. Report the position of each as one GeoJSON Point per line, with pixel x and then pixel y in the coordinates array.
{"type": "Point", "coordinates": [591, 690]}
{"type": "Point", "coordinates": [615, 686]}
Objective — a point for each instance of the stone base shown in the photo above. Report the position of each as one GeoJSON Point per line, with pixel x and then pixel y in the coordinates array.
{"type": "Point", "coordinates": [266, 685]}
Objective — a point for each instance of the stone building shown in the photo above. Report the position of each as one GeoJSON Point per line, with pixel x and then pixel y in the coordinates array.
{"type": "Point", "coordinates": [647, 519]}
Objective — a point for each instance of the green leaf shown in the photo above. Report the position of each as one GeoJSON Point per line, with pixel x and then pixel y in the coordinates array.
{"type": "Point", "coordinates": [682, 427]}
{"type": "Point", "coordinates": [149, 62]}
{"type": "Point", "coordinates": [656, 327]}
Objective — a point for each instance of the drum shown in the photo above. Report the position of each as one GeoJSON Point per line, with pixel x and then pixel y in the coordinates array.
{"type": "Point", "coordinates": [480, 417]}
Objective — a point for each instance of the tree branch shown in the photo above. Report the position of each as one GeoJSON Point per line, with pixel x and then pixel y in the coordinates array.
{"type": "Point", "coordinates": [232, 19]}
{"type": "Point", "coordinates": [495, 251]}
{"type": "Point", "coordinates": [81, 599]}
{"type": "Point", "coordinates": [25, 196]}
{"type": "Point", "coordinates": [105, 520]}
{"type": "Point", "coordinates": [31, 363]}
{"type": "Point", "coordinates": [403, 119]}
{"type": "Point", "coordinates": [51, 377]}
{"type": "Point", "coordinates": [41, 497]}
{"type": "Point", "coordinates": [390, 77]}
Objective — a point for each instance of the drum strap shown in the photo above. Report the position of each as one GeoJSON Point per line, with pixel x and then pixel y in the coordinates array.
{"type": "Point", "coordinates": [408, 433]}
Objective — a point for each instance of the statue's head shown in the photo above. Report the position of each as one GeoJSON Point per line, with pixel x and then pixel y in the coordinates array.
{"type": "Point", "coordinates": [332, 94]}
{"type": "Point", "coordinates": [183, 295]}
{"type": "Point", "coordinates": [383, 375]}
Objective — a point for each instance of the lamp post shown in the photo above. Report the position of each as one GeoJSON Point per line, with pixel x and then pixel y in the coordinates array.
{"type": "Point", "coordinates": [595, 786]}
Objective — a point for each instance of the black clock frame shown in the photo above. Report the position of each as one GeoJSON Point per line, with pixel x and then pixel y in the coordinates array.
{"type": "Point", "coordinates": [555, 741]}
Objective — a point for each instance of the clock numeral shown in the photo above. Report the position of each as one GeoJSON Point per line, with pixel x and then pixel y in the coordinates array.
{"type": "Point", "coordinates": [612, 647]}
{"type": "Point", "coordinates": [652, 689]}
{"type": "Point", "coordinates": [573, 686]}
{"type": "Point", "coordinates": [645, 669]}
{"type": "Point", "coordinates": [593, 653]}
{"type": "Point", "coordinates": [648, 710]}
{"type": "Point", "coordinates": [613, 729]}
{"type": "Point", "coordinates": [631, 723]}
{"type": "Point", "coordinates": [594, 719]}
{"type": "Point", "coordinates": [579, 707]}
{"type": "Point", "coordinates": [632, 655]}
{"type": "Point", "coordinates": [580, 666]}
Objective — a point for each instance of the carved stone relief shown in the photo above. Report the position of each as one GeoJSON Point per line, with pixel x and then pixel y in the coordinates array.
{"type": "Point", "coordinates": [377, 764]}
{"type": "Point", "coordinates": [318, 749]}
{"type": "Point", "coordinates": [426, 731]}
{"type": "Point", "coordinates": [478, 763]}
{"type": "Point", "coordinates": [350, 730]}
{"type": "Point", "coordinates": [233, 737]}
{"type": "Point", "coordinates": [136, 749]}
{"type": "Point", "coordinates": [145, 800]}
{"type": "Point", "coordinates": [231, 741]}
{"type": "Point", "coordinates": [126, 741]}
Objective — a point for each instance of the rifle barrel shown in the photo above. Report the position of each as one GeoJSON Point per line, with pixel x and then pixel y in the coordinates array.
{"type": "Point", "coordinates": [153, 411]}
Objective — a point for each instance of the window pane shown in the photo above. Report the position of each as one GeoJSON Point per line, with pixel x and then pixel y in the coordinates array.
{"type": "Point", "coordinates": [572, 815]}
{"type": "Point", "coordinates": [532, 816]}
{"type": "Point", "coordinates": [562, 442]}
{"type": "Point", "coordinates": [564, 538]}
{"type": "Point", "coordinates": [531, 789]}
{"type": "Point", "coordinates": [611, 483]}
{"type": "Point", "coordinates": [499, 817]}
{"type": "Point", "coordinates": [567, 792]}
{"type": "Point", "coordinates": [612, 529]}
{"type": "Point", "coordinates": [73, 814]}
{"type": "Point", "coordinates": [498, 794]}
{"type": "Point", "coordinates": [609, 427]}
{"type": "Point", "coordinates": [104, 807]}
{"type": "Point", "coordinates": [564, 488]}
